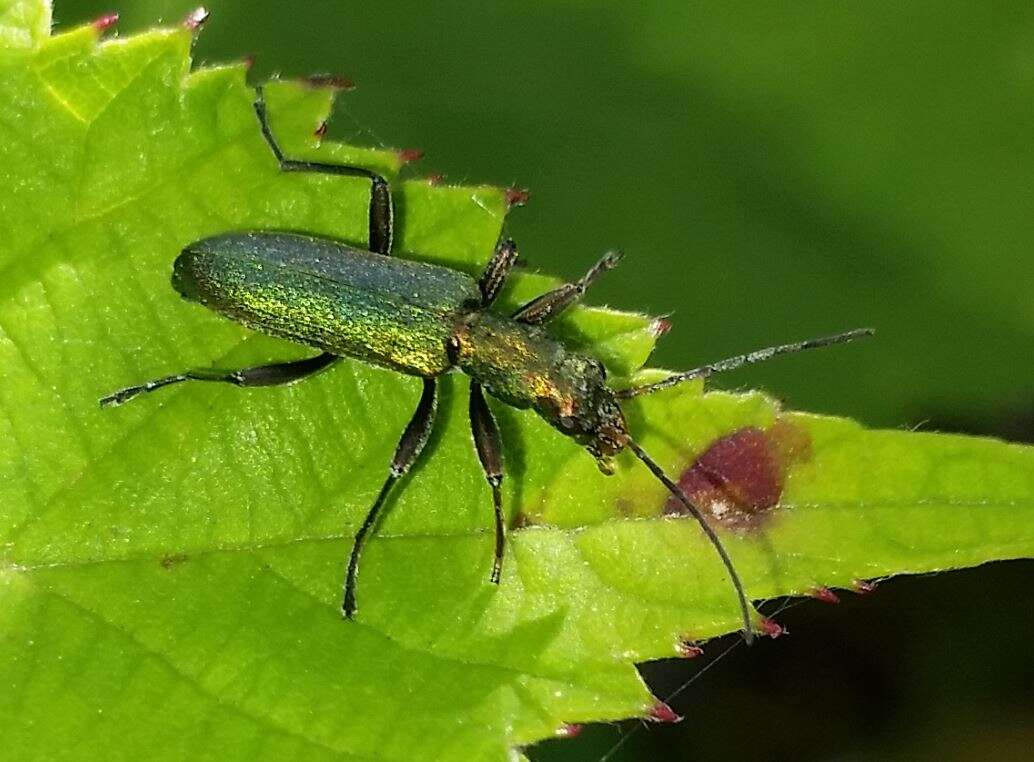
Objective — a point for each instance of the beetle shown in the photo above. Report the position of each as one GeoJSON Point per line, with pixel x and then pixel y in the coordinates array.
{"type": "Point", "coordinates": [423, 320]}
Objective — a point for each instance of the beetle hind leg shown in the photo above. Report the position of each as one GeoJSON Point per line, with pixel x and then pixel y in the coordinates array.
{"type": "Point", "coordinates": [382, 205]}
{"type": "Point", "coordinates": [410, 445]}
{"type": "Point", "coordinates": [259, 375]}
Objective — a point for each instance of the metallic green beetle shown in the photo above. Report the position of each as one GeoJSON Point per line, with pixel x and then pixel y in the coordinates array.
{"type": "Point", "coordinates": [421, 320]}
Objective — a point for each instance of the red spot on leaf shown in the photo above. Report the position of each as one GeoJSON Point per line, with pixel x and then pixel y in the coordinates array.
{"type": "Point", "coordinates": [320, 132]}
{"type": "Point", "coordinates": [332, 81]}
{"type": "Point", "coordinates": [196, 18]}
{"type": "Point", "coordinates": [771, 628]}
{"type": "Point", "coordinates": [105, 22]}
{"type": "Point", "coordinates": [661, 712]}
{"type": "Point", "coordinates": [825, 595]}
{"type": "Point", "coordinates": [569, 730]}
{"type": "Point", "coordinates": [738, 473]}
{"type": "Point", "coordinates": [740, 477]}
{"type": "Point", "coordinates": [517, 197]}
{"type": "Point", "coordinates": [435, 180]}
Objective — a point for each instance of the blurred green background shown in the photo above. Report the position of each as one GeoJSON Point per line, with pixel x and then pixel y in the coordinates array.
{"type": "Point", "coordinates": [773, 171]}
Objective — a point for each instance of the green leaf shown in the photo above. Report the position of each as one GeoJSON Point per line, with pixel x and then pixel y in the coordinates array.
{"type": "Point", "coordinates": [170, 571]}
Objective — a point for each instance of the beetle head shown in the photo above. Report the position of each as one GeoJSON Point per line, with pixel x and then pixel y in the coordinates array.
{"type": "Point", "coordinates": [585, 409]}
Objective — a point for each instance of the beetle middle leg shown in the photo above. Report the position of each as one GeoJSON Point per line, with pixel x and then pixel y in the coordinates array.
{"type": "Point", "coordinates": [382, 206]}
{"type": "Point", "coordinates": [489, 447]}
{"type": "Point", "coordinates": [259, 375]}
{"type": "Point", "coordinates": [544, 308]}
{"type": "Point", "coordinates": [410, 445]}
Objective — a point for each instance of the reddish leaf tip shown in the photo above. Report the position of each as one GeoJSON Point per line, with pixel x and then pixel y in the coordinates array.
{"type": "Point", "coordinates": [517, 197]}
{"type": "Point", "coordinates": [196, 18]}
{"type": "Point", "coordinates": [105, 22]}
{"type": "Point", "coordinates": [661, 712]}
{"type": "Point", "coordinates": [569, 730]}
{"type": "Point", "coordinates": [688, 650]}
{"type": "Point", "coordinates": [435, 180]}
{"type": "Point", "coordinates": [825, 595]}
{"type": "Point", "coordinates": [249, 61]}
{"type": "Point", "coordinates": [771, 628]}
{"type": "Point", "coordinates": [320, 131]}
{"type": "Point", "coordinates": [407, 155]}
{"type": "Point", "coordinates": [862, 587]}
{"type": "Point", "coordinates": [659, 327]}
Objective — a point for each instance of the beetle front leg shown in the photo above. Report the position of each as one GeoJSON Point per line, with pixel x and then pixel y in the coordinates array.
{"type": "Point", "coordinates": [489, 447]}
{"type": "Point", "coordinates": [382, 206]}
{"type": "Point", "coordinates": [544, 308]}
{"type": "Point", "coordinates": [259, 375]}
{"type": "Point", "coordinates": [410, 445]}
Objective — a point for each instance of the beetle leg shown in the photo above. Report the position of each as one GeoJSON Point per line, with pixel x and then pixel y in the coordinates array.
{"type": "Point", "coordinates": [544, 308]}
{"type": "Point", "coordinates": [382, 206]}
{"type": "Point", "coordinates": [259, 375]}
{"type": "Point", "coordinates": [409, 448]}
{"type": "Point", "coordinates": [489, 447]}
{"type": "Point", "coordinates": [731, 363]}
{"type": "Point", "coordinates": [494, 276]}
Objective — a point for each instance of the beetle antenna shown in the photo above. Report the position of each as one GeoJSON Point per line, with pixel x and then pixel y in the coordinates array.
{"type": "Point", "coordinates": [680, 495]}
{"type": "Point", "coordinates": [731, 363]}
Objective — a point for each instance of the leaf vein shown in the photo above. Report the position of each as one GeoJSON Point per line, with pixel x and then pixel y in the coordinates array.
{"type": "Point", "coordinates": [261, 719]}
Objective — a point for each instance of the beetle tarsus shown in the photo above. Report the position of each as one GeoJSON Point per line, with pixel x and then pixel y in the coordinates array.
{"type": "Point", "coordinates": [500, 532]}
